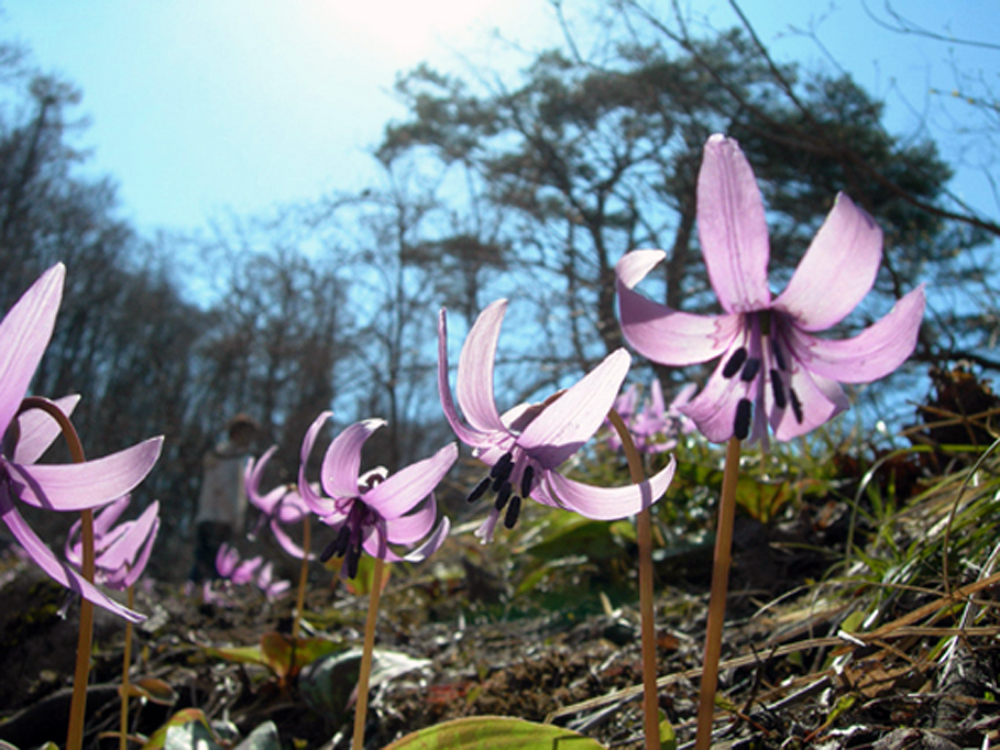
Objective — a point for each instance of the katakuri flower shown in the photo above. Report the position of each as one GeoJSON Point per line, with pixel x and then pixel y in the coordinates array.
{"type": "Point", "coordinates": [657, 425]}
{"type": "Point", "coordinates": [231, 568]}
{"type": "Point", "coordinates": [370, 511]}
{"type": "Point", "coordinates": [120, 552]}
{"type": "Point", "coordinates": [24, 335]}
{"type": "Point", "coordinates": [772, 370]}
{"type": "Point", "coordinates": [525, 446]}
{"type": "Point", "coordinates": [280, 507]}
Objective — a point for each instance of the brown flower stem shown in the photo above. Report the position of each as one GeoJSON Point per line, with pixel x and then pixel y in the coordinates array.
{"type": "Point", "coordinates": [361, 706]}
{"type": "Point", "coordinates": [300, 601]}
{"type": "Point", "coordinates": [644, 530]}
{"type": "Point", "coordinates": [81, 675]}
{"type": "Point", "coordinates": [717, 599]}
{"type": "Point", "coordinates": [126, 665]}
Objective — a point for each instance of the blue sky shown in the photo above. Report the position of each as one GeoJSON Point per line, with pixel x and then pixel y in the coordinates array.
{"type": "Point", "coordinates": [199, 108]}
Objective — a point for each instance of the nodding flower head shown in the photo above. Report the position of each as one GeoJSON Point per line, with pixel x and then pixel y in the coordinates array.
{"type": "Point", "coordinates": [525, 446]}
{"type": "Point", "coordinates": [370, 511]}
{"type": "Point", "coordinates": [26, 434]}
{"type": "Point", "coordinates": [280, 507]}
{"type": "Point", "coordinates": [772, 370]}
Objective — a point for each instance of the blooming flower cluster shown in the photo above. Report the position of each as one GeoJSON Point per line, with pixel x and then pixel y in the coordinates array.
{"type": "Point", "coordinates": [773, 374]}
{"type": "Point", "coordinates": [237, 572]}
{"type": "Point", "coordinates": [654, 426]}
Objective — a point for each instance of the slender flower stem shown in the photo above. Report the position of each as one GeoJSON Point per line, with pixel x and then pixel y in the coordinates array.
{"type": "Point", "coordinates": [361, 706]}
{"type": "Point", "coordinates": [651, 703]}
{"type": "Point", "coordinates": [300, 601]}
{"type": "Point", "coordinates": [81, 675]}
{"type": "Point", "coordinates": [126, 665]}
{"type": "Point", "coordinates": [717, 600]}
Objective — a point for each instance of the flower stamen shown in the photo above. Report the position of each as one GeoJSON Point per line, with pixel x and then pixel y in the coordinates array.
{"type": "Point", "coordinates": [503, 496]}
{"type": "Point", "coordinates": [527, 477]}
{"type": "Point", "coordinates": [741, 426]}
{"type": "Point", "coordinates": [479, 490]}
{"type": "Point", "coordinates": [735, 363]}
{"type": "Point", "coordinates": [513, 511]}
{"type": "Point", "coordinates": [778, 389]}
{"type": "Point", "coordinates": [796, 405]}
{"type": "Point", "coordinates": [750, 370]}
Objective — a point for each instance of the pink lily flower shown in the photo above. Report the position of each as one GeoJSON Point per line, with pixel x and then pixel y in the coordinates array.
{"type": "Point", "coordinates": [273, 589]}
{"type": "Point", "coordinates": [280, 507]}
{"type": "Point", "coordinates": [773, 370]}
{"type": "Point", "coordinates": [120, 552]}
{"type": "Point", "coordinates": [373, 510]}
{"type": "Point", "coordinates": [24, 334]}
{"type": "Point", "coordinates": [229, 566]}
{"type": "Point", "coordinates": [656, 427]}
{"type": "Point", "coordinates": [525, 446]}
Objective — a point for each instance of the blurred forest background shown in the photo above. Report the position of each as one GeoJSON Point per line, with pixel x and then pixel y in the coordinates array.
{"type": "Point", "coordinates": [530, 188]}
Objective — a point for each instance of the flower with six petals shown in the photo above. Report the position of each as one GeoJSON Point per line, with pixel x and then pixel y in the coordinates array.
{"type": "Point", "coordinates": [525, 446]}
{"type": "Point", "coordinates": [370, 511]}
{"type": "Point", "coordinates": [120, 552]}
{"type": "Point", "coordinates": [772, 369]}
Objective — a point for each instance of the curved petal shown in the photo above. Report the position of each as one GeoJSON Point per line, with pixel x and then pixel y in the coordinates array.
{"type": "Point", "coordinates": [407, 487]}
{"type": "Point", "coordinates": [226, 560]}
{"type": "Point", "coordinates": [431, 545]}
{"type": "Point", "coordinates": [467, 435]}
{"type": "Point", "coordinates": [573, 418]}
{"type": "Point", "coordinates": [821, 400]}
{"type": "Point", "coordinates": [310, 496]}
{"type": "Point", "coordinates": [873, 353]}
{"type": "Point", "coordinates": [51, 565]}
{"type": "Point", "coordinates": [290, 508]}
{"type": "Point", "coordinates": [836, 272]}
{"type": "Point", "coordinates": [24, 334]}
{"type": "Point", "coordinates": [609, 503]}
{"type": "Point", "coordinates": [732, 227]}
{"type": "Point", "coordinates": [38, 430]}
{"type": "Point", "coordinates": [70, 487]}
{"type": "Point", "coordinates": [125, 549]}
{"type": "Point", "coordinates": [342, 462]}
{"type": "Point", "coordinates": [474, 383]}
{"type": "Point", "coordinates": [246, 570]}
{"type": "Point", "coordinates": [411, 528]}
{"type": "Point", "coordinates": [287, 543]}
{"type": "Point", "coordinates": [251, 480]}
{"type": "Point", "coordinates": [660, 333]}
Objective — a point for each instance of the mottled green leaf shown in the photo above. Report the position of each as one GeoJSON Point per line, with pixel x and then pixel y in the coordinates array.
{"type": "Point", "coordinates": [496, 733]}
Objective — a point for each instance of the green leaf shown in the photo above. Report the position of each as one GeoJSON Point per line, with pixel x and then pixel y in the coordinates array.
{"type": "Point", "coordinates": [239, 655]}
{"type": "Point", "coordinates": [496, 733]}
{"type": "Point", "coordinates": [285, 655]}
{"type": "Point", "coordinates": [188, 716]}
{"type": "Point", "coordinates": [569, 533]}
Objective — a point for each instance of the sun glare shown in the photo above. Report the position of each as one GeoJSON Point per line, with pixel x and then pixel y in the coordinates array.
{"type": "Point", "coordinates": [406, 28]}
